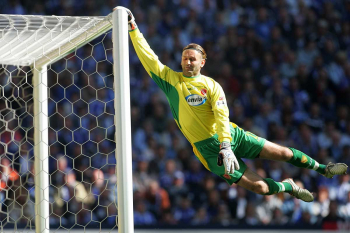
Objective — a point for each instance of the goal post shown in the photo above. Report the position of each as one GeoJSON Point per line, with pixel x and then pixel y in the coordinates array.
{"type": "Point", "coordinates": [41, 149]}
{"type": "Point", "coordinates": [38, 42]}
{"type": "Point", "coordinates": [123, 120]}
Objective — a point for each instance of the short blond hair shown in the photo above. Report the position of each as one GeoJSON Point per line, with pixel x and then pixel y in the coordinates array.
{"type": "Point", "coordinates": [198, 48]}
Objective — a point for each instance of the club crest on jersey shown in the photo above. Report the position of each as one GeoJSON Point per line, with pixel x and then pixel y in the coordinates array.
{"type": "Point", "coordinates": [204, 92]}
{"type": "Point", "coordinates": [195, 100]}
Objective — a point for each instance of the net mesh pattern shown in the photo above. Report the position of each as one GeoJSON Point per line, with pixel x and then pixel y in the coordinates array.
{"type": "Point", "coordinates": [25, 39]}
{"type": "Point", "coordinates": [81, 131]}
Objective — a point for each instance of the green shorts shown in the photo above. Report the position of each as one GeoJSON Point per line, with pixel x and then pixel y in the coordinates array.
{"type": "Point", "coordinates": [244, 144]}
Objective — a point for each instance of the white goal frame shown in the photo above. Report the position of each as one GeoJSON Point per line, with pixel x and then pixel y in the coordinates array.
{"type": "Point", "coordinates": [117, 21]}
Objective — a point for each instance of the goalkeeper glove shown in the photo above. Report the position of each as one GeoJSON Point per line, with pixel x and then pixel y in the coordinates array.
{"type": "Point", "coordinates": [227, 158]}
{"type": "Point", "coordinates": [131, 19]}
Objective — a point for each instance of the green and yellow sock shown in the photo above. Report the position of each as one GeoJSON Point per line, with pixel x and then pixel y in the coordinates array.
{"type": "Point", "coordinates": [277, 187]}
{"type": "Point", "coordinates": [304, 161]}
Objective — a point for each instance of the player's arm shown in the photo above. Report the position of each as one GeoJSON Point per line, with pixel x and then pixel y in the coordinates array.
{"type": "Point", "coordinates": [221, 113]}
{"type": "Point", "coordinates": [146, 55]}
{"type": "Point", "coordinates": [226, 156]}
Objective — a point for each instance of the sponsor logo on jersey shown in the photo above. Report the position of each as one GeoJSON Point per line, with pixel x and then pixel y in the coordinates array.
{"type": "Point", "coordinates": [204, 92]}
{"type": "Point", "coordinates": [195, 100]}
{"type": "Point", "coordinates": [227, 176]}
{"type": "Point", "coordinates": [221, 98]}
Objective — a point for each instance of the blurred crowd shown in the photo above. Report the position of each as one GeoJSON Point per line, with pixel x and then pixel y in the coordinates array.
{"type": "Point", "coordinates": [285, 68]}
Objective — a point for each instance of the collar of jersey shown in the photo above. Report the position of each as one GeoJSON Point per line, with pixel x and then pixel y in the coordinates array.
{"type": "Point", "coordinates": [192, 77]}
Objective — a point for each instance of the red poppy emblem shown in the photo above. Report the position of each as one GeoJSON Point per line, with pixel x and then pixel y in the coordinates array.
{"type": "Point", "coordinates": [204, 91]}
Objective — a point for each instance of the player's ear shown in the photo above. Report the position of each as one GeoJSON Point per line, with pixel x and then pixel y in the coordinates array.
{"type": "Point", "coordinates": [202, 63]}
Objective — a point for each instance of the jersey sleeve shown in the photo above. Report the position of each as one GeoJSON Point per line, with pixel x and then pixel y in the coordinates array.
{"type": "Point", "coordinates": [221, 113]}
{"type": "Point", "coordinates": [150, 61]}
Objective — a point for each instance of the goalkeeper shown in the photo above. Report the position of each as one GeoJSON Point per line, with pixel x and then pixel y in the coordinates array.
{"type": "Point", "coordinates": [199, 107]}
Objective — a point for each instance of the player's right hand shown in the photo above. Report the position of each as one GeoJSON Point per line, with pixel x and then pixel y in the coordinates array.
{"type": "Point", "coordinates": [131, 19]}
{"type": "Point", "coordinates": [227, 158]}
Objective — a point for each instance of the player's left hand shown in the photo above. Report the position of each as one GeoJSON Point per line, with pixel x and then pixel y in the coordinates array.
{"type": "Point", "coordinates": [131, 19]}
{"type": "Point", "coordinates": [227, 158]}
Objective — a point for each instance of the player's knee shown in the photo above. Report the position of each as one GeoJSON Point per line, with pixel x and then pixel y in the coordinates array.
{"type": "Point", "coordinates": [286, 154]}
{"type": "Point", "coordinates": [260, 187]}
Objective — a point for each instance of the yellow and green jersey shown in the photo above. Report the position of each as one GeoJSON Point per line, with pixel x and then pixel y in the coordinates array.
{"type": "Point", "coordinates": [199, 107]}
{"type": "Point", "coordinates": [198, 104]}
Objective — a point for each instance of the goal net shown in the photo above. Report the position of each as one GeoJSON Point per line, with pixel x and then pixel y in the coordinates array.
{"type": "Point", "coordinates": [62, 98]}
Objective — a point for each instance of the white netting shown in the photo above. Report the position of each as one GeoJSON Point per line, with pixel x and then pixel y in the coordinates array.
{"type": "Point", "coordinates": [43, 39]}
{"type": "Point", "coordinates": [81, 136]}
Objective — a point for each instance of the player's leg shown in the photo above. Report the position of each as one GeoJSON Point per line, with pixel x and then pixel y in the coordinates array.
{"type": "Point", "coordinates": [297, 158]}
{"type": "Point", "coordinates": [255, 183]}
{"type": "Point", "coordinates": [207, 153]}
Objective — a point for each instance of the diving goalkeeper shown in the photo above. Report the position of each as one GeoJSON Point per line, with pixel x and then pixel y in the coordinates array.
{"type": "Point", "coordinates": [199, 107]}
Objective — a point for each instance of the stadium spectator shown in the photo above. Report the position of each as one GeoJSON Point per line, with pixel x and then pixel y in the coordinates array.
{"type": "Point", "coordinates": [158, 199]}
{"type": "Point", "coordinates": [142, 216]}
{"type": "Point", "coordinates": [265, 209]}
{"type": "Point", "coordinates": [332, 221]}
{"type": "Point", "coordinates": [201, 217]}
{"type": "Point", "coordinates": [184, 213]}
{"type": "Point", "coordinates": [251, 216]}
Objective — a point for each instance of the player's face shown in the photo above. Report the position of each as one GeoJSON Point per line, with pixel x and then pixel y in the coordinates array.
{"type": "Point", "coordinates": [191, 62]}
